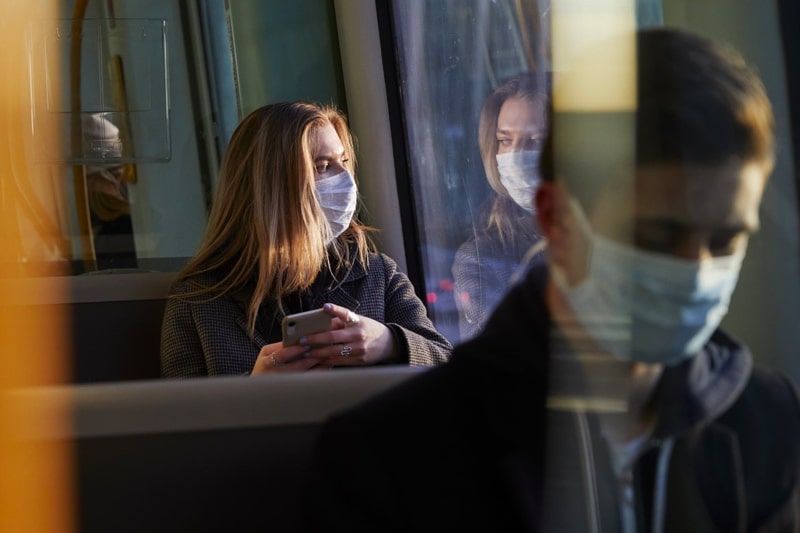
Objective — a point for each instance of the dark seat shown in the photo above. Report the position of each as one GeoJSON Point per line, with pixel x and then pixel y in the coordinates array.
{"type": "Point", "coordinates": [210, 454]}
{"type": "Point", "coordinates": [115, 319]}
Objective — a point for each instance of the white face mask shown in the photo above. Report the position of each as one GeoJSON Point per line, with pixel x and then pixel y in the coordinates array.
{"type": "Point", "coordinates": [519, 174]}
{"type": "Point", "coordinates": [649, 307]}
{"type": "Point", "coordinates": [337, 196]}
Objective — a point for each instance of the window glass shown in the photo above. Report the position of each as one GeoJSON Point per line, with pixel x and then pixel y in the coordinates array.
{"type": "Point", "coordinates": [223, 59]}
{"type": "Point", "coordinates": [452, 54]}
{"type": "Point", "coordinates": [285, 51]}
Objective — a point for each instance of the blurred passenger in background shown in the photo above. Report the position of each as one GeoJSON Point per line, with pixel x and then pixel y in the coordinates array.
{"type": "Point", "coordinates": [283, 238]}
{"type": "Point", "coordinates": [109, 202]}
{"type": "Point", "coordinates": [512, 128]}
{"type": "Point", "coordinates": [602, 394]}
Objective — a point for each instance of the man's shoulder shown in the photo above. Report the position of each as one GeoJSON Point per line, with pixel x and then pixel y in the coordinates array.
{"type": "Point", "coordinates": [488, 377]}
{"type": "Point", "coordinates": [522, 313]}
{"type": "Point", "coordinates": [436, 393]}
{"type": "Point", "coordinates": [397, 427]}
{"type": "Point", "coordinates": [766, 421]}
{"type": "Point", "coordinates": [768, 398]}
{"type": "Point", "coordinates": [476, 392]}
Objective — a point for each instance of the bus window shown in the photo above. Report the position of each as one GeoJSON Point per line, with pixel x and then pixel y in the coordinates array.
{"type": "Point", "coordinates": [451, 55]}
{"type": "Point", "coordinates": [148, 184]}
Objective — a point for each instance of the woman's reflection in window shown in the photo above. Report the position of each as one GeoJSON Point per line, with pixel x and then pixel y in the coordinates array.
{"type": "Point", "coordinates": [512, 125]}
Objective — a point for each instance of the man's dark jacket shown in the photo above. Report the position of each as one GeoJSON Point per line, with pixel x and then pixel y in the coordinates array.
{"type": "Point", "coordinates": [463, 447]}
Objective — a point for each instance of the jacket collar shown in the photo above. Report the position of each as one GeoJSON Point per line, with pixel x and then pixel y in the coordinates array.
{"type": "Point", "coordinates": [700, 389]}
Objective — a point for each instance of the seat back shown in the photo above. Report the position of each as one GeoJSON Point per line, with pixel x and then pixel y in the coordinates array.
{"type": "Point", "coordinates": [211, 454]}
{"type": "Point", "coordinates": [114, 321]}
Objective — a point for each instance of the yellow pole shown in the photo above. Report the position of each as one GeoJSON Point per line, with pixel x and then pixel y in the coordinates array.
{"type": "Point", "coordinates": [36, 481]}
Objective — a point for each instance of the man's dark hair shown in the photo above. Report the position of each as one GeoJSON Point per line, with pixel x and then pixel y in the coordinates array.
{"type": "Point", "coordinates": [698, 103]}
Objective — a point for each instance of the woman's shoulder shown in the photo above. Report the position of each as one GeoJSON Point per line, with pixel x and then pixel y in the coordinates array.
{"type": "Point", "coordinates": [467, 251]}
{"type": "Point", "coordinates": [185, 284]}
{"type": "Point", "coordinates": [379, 262]}
{"type": "Point", "coordinates": [201, 287]}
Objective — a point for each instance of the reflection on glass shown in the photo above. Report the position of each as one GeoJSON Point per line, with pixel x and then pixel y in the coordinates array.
{"type": "Point", "coordinates": [109, 203]}
{"type": "Point", "coordinates": [451, 54]}
{"type": "Point", "coordinates": [656, 413]}
{"type": "Point", "coordinates": [284, 51]}
{"type": "Point", "coordinates": [171, 129]}
{"type": "Point", "coordinates": [512, 127]}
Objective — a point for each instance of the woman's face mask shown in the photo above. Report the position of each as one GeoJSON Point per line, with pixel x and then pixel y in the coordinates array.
{"type": "Point", "coordinates": [337, 196]}
{"type": "Point", "coordinates": [519, 174]}
{"type": "Point", "coordinates": [648, 307]}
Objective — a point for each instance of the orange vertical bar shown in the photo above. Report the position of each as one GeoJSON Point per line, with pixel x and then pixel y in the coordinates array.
{"type": "Point", "coordinates": [36, 482]}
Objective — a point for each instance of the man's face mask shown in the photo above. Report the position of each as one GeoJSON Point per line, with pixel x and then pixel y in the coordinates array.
{"type": "Point", "coordinates": [644, 306]}
{"type": "Point", "coordinates": [337, 196]}
{"type": "Point", "coordinates": [519, 174]}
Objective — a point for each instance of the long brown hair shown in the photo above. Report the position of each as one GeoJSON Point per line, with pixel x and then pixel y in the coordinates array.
{"type": "Point", "coordinates": [532, 87]}
{"type": "Point", "coordinates": [266, 223]}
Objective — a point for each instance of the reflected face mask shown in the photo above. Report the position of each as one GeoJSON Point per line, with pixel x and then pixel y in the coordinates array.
{"type": "Point", "coordinates": [649, 307]}
{"type": "Point", "coordinates": [519, 174]}
{"type": "Point", "coordinates": [337, 196]}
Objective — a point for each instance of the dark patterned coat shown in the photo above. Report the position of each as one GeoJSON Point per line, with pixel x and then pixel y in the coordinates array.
{"type": "Point", "coordinates": [483, 268]}
{"type": "Point", "coordinates": [205, 337]}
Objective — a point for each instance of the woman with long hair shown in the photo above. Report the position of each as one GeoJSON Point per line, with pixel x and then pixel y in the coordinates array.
{"type": "Point", "coordinates": [512, 126]}
{"type": "Point", "coordinates": [283, 238]}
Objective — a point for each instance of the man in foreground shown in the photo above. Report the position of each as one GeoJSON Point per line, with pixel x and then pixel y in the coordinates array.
{"type": "Point", "coordinates": [602, 395]}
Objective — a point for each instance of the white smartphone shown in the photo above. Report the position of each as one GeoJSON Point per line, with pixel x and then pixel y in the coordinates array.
{"type": "Point", "coordinates": [301, 324]}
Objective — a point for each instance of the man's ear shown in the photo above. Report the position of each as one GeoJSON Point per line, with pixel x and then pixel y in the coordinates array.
{"type": "Point", "coordinates": [550, 201]}
{"type": "Point", "coordinates": [553, 215]}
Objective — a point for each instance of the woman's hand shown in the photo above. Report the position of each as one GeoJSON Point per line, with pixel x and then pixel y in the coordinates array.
{"type": "Point", "coordinates": [354, 340]}
{"type": "Point", "coordinates": [276, 359]}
